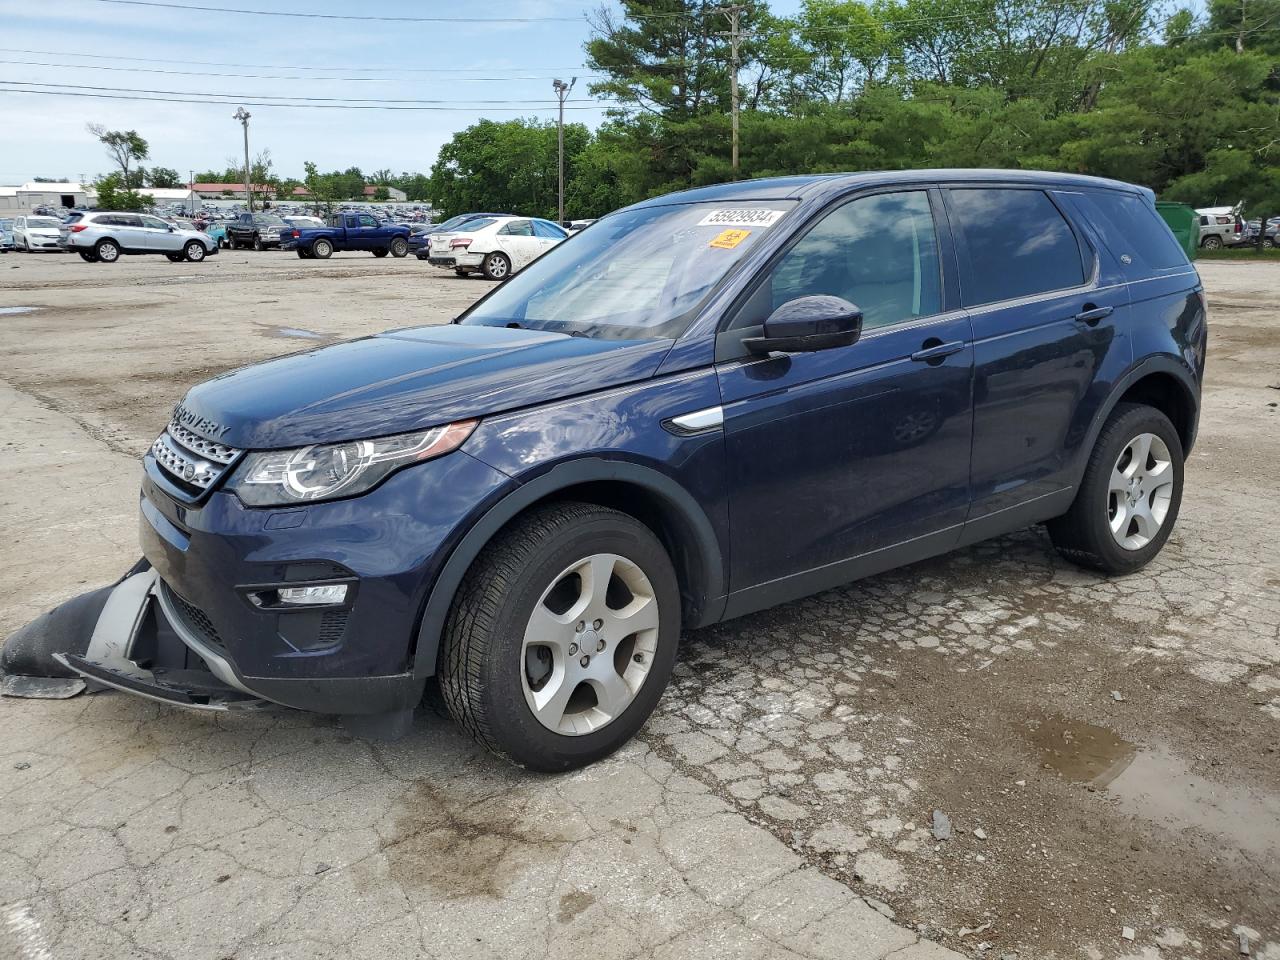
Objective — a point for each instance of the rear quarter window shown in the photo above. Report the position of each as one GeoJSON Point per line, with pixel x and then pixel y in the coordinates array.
{"type": "Point", "coordinates": [1019, 244]}
{"type": "Point", "coordinates": [1130, 226]}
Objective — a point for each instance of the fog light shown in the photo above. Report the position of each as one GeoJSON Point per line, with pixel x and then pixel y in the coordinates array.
{"type": "Point", "coordinates": [312, 596]}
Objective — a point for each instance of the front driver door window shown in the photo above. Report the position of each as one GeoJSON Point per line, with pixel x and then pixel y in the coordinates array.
{"type": "Point", "coordinates": [842, 452]}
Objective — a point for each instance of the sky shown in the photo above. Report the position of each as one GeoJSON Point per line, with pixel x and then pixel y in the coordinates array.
{"type": "Point", "coordinates": [73, 42]}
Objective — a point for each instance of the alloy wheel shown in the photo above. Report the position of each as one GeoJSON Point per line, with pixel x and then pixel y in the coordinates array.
{"type": "Point", "coordinates": [1140, 491]}
{"type": "Point", "coordinates": [589, 644]}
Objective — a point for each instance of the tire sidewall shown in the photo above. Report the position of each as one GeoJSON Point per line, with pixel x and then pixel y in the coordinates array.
{"type": "Point", "coordinates": [1096, 488]}
{"type": "Point", "coordinates": [107, 245]}
{"type": "Point", "coordinates": [321, 249]}
{"type": "Point", "coordinates": [195, 251]}
{"type": "Point", "coordinates": [491, 256]}
{"type": "Point", "coordinates": [399, 248]}
{"type": "Point", "coordinates": [519, 732]}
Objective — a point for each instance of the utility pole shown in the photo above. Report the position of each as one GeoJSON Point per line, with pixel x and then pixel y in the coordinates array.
{"type": "Point", "coordinates": [243, 116]}
{"type": "Point", "coordinates": [734, 35]}
{"type": "Point", "coordinates": [562, 92]}
{"type": "Point", "coordinates": [191, 186]}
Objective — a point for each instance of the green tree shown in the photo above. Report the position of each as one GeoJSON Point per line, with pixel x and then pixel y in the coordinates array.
{"type": "Point", "coordinates": [505, 165]}
{"type": "Point", "coordinates": [164, 178]}
{"type": "Point", "coordinates": [125, 148]}
{"type": "Point", "coordinates": [113, 194]}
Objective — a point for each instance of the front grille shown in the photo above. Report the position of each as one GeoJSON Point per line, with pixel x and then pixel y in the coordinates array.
{"type": "Point", "coordinates": [194, 619]}
{"type": "Point", "coordinates": [195, 462]}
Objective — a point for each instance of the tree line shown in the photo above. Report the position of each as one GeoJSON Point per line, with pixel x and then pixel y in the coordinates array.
{"type": "Point", "coordinates": [1186, 103]}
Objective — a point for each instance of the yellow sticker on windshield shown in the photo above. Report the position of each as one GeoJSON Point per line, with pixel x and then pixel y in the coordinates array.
{"type": "Point", "coordinates": [728, 239]}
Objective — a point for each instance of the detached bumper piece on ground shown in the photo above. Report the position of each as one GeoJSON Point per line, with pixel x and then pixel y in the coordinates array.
{"type": "Point", "coordinates": [118, 637]}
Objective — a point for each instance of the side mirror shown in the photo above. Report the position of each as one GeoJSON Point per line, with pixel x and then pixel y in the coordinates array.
{"type": "Point", "coordinates": [808, 323]}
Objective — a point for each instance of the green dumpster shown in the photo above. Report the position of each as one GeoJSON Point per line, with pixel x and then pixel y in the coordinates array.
{"type": "Point", "coordinates": [1184, 222]}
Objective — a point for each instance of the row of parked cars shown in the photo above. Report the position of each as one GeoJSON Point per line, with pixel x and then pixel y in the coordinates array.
{"type": "Point", "coordinates": [494, 245]}
{"type": "Point", "coordinates": [1225, 227]}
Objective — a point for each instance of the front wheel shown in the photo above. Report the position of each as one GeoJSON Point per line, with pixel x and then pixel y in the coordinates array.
{"type": "Point", "coordinates": [257, 244]}
{"type": "Point", "coordinates": [1128, 501]}
{"type": "Point", "coordinates": [496, 266]}
{"type": "Point", "coordinates": [562, 636]}
{"type": "Point", "coordinates": [399, 247]}
{"type": "Point", "coordinates": [322, 249]}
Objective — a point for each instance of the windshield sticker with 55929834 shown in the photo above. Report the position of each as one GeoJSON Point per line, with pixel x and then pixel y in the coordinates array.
{"type": "Point", "coordinates": [741, 217]}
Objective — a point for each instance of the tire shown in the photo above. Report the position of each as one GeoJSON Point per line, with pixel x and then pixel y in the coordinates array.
{"type": "Point", "coordinates": [257, 244]}
{"type": "Point", "coordinates": [88, 256]}
{"type": "Point", "coordinates": [1211, 243]}
{"type": "Point", "coordinates": [1084, 534]}
{"type": "Point", "coordinates": [1274, 242]}
{"type": "Point", "coordinates": [174, 257]}
{"type": "Point", "coordinates": [194, 251]}
{"type": "Point", "coordinates": [462, 273]}
{"type": "Point", "coordinates": [484, 673]}
{"type": "Point", "coordinates": [380, 252]}
{"type": "Point", "coordinates": [108, 251]}
{"type": "Point", "coordinates": [399, 247]}
{"type": "Point", "coordinates": [322, 249]}
{"type": "Point", "coordinates": [303, 255]}
{"type": "Point", "coordinates": [497, 266]}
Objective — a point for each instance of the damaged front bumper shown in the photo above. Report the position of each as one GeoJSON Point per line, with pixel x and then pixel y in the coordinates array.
{"type": "Point", "coordinates": [124, 637]}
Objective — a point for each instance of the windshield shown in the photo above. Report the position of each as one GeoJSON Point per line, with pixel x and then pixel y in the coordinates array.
{"type": "Point", "coordinates": [43, 222]}
{"type": "Point", "coordinates": [636, 274]}
{"type": "Point", "coordinates": [270, 221]}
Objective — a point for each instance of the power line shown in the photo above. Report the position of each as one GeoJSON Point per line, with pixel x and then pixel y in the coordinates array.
{"type": "Point", "coordinates": [376, 19]}
{"type": "Point", "coordinates": [7, 88]}
{"type": "Point", "coordinates": [273, 66]}
{"type": "Point", "coordinates": [243, 97]}
{"type": "Point", "coordinates": [263, 76]}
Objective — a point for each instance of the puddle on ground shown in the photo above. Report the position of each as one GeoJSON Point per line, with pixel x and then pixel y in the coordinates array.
{"type": "Point", "coordinates": [1157, 785]}
{"type": "Point", "coordinates": [10, 311]}
{"type": "Point", "coordinates": [299, 333]}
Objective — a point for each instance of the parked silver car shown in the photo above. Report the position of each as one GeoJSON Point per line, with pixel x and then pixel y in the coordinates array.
{"type": "Point", "coordinates": [105, 237]}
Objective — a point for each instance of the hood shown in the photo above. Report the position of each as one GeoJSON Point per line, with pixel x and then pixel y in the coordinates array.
{"type": "Point", "coordinates": [406, 380]}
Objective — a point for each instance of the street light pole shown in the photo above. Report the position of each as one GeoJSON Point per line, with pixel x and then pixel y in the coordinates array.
{"type": "Point", "coordinates": [243, 116]}
{"type": "Point", "coordinates": [562, 92]}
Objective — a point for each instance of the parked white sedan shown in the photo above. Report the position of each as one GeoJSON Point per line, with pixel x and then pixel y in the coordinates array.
{"type": "Point", "coordinates": [36, 233]}
{"type": "Point", "coordinates": [494, 246]}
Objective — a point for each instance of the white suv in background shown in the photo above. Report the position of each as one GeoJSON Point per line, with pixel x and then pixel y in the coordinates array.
{"type": "Point", "coordinates": [36, 233]}
{"type": "Point", "coordinates": [105, 237]}
{"type": "Point", "coordinates": [494, 246]}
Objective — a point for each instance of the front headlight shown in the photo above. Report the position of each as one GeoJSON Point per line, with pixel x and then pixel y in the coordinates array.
{"type": "Point", "coordinates": [325, 471]}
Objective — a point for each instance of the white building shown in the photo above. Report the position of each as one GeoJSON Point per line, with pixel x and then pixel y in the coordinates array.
{"type": "Point", "coordinates": [24, 199]}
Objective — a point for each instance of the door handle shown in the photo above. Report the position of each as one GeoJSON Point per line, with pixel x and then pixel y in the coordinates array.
{"type": "Point", "coordinates": [1090, 315]}
{"type": "Point", "coordinates": [934, 350]}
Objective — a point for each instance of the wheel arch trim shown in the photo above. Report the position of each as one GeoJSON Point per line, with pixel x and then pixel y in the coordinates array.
{"type": "Point", "coordinates": [1162, 364]}
{"type": "Point", "coordinates": [562, 477]}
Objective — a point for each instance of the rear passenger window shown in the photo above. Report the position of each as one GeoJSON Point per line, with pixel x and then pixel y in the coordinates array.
{"type": "Point", "coordinates": [1019, 244]}
{"type": "Point", "coordinates": [1129, 225]}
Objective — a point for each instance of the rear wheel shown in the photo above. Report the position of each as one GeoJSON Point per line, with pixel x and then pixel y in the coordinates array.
{"type": "Point", "coordinates": [322, 249]}
{"type": "Point", "coordinates": [174, 257]}
{"type": "Point", "coordinates": [194, 251]}
{"type": "Point", "coordinates": [461, 273]}
{"type": "Point", "coordinates": [1211, 243]}
{"type": "Point", "coordinates": [303, 255]}
{"type": "Point", "coordinates": [380, 252]}
{"type": "Point", "coordinates": [399, 247]}
{"type": "Point", "coordinates": [562, 636]}
{"type": "Point", "coordinates": [88, 256]}
{"type": "Point", "coordinates": [1128, 501]}
{"type": "Point", "coordinates": [496, 266]}
{"type": "Point", "coordinates": [108, 251]}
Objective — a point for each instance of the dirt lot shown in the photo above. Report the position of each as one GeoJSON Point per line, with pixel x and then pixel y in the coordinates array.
{"type": "Point", "coordinates": [1107, 752]}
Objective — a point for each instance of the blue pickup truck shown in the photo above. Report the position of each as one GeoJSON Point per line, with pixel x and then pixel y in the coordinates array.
{"type": "Point", "coordinates": [349, 231]}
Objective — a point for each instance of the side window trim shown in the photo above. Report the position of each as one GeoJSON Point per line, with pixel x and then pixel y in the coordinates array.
{"type": "Point", "coordinates": [745, 294]}
{"type": "Point", "coordinates": [1088, 255]}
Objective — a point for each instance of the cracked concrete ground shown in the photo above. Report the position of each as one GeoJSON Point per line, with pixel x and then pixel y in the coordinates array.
{"type": "Point", "coordinates": [1105, 750]}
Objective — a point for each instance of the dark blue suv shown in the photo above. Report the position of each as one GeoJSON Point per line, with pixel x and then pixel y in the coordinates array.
{"type": "Point", "coordinates": [706, 404]}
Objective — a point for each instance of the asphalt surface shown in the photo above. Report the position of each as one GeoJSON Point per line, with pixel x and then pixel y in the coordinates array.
{"type": "Point", "coordinates": [1103, 751]}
